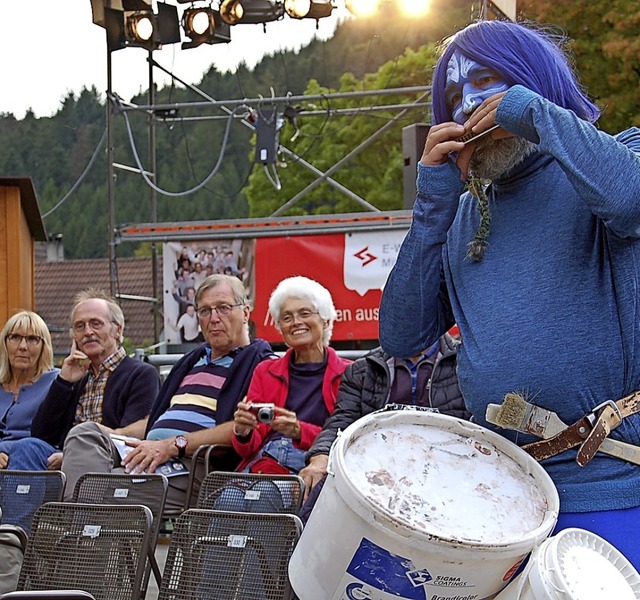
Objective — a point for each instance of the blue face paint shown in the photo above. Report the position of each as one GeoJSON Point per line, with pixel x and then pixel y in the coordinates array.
{"type": "Point", "coordinates": [468, 85]}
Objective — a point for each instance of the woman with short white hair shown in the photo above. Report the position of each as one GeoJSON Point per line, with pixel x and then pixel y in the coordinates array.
{"type": "Point", "coordinates": [298, 389]}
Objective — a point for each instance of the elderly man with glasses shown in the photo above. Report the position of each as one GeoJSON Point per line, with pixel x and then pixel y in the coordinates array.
{"type": "Point", "coordinates": [196, 403]}
{"type": "Point", "coordinates": [98, 382]}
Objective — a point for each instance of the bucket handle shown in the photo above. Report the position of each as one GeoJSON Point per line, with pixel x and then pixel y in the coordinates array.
{"type": "Point", "coordinates": [330, 470]}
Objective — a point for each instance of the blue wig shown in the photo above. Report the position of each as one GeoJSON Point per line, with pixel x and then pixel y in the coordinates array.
{"type": "Point", "coordinates": [522, 55]}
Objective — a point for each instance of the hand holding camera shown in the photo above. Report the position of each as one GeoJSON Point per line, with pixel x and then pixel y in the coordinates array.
{"type": "Point", "coordinates": [250, 414]}
{"type": "Point", "coordinates": [264, 412]}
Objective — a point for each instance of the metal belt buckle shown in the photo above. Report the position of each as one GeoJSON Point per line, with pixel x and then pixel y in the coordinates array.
{"type": "Point", "coordinates": [597, 411]}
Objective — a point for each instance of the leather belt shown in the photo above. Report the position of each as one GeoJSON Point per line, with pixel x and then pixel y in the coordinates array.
{"type": "Point", "coordinates": [588, 432]}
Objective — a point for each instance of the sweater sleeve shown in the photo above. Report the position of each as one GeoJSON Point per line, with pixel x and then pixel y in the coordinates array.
{"type": "Point", "coordinates": [415, 309]}
{"type": "Point", "coordinates": [57, 411]}
{"type": "Point", "coordinates": [247, 447]}
{"type": "Point", "coordinates": [603, 169]}
{"type": "Point", "coordinates": [140, 394]}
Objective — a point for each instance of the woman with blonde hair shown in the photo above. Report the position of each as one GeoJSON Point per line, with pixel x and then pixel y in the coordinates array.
{"type": "Point", "coordinates": [26, 373]}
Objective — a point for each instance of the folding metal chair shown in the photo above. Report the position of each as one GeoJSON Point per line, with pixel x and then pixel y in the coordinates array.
{"type": "Point", "coordinates": [205, 459]}
{"type": "Point", "coordinates": [251, 492]}
{"type": "Point", "coordinates": [98, 548]}
{"type": "Point", "coordinates": [22, 492]}
{"type": "Point", "coordinates": [121, 488]}
{"type": "Point", "coordinates": [219, 555]}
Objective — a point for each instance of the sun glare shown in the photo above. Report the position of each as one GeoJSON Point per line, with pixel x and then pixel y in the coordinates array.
{"type": "Point", "coordinates": [415, 8]}
{"type": "Point", "coordinates": [362, 8]}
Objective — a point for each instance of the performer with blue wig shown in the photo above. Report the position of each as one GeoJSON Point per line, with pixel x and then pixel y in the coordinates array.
{"type": "Point", "coordinates": [528, 239]}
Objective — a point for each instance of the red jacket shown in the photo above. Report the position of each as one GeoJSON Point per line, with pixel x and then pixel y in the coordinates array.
{"type": "Point", "coordinates": [270, 384]}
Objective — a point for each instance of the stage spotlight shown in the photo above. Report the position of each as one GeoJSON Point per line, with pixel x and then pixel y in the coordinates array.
{"type": "Point", "coordinates": [142, 28]}
{"type": "Point", "coordinates": [236, 12]}
{"type": "Point", "coordinates": [139, 27]}
{"type": "Point", "coordinates": [204, 26]}
{"type": "Point", "coordinates": [308, 9]}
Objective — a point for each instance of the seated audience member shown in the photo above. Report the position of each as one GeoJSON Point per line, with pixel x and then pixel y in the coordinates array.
{"type": "Point", "coordinates": [196, 403]}
{"type": "Point", "coordinates": [26, 373]}
{"type": "Point", "coordinates": [302, 385]}
{"type": "Point", "coordinates": [377, 379]}
{"type": "Point", "coordinates": [97, 382]}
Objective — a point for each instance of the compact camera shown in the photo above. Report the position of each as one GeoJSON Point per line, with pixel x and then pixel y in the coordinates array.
{"type": "Point", "coordinates": [264, 412]}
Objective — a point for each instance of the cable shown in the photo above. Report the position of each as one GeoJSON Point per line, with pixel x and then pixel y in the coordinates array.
{"type": "Point", "coordinates": [82, 175]}
{"type": "Point", "coordinates": [193, 173]}
{"type": "Point", "coordinates": [206, 180]}
{"type": "Point", "coordinates": [274, 179]}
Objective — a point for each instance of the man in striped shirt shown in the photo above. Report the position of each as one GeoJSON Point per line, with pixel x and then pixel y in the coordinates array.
{"type": "Point", "coordinates": [196, 402]}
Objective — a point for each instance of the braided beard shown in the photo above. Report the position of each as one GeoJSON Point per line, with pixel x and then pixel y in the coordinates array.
{"type": "Point", "coordinates": [494, 158]}
{"type": "Point", "coordinates": [491, 160]}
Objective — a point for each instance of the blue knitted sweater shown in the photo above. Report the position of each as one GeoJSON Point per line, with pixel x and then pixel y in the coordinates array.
{"type": "Point", "coordinates": [552, 310]}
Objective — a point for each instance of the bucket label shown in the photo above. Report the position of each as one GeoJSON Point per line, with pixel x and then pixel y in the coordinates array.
{"type": "Point", "coordinates": [374, 573]}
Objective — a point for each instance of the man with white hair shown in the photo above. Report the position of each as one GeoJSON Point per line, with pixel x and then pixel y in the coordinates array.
{"type": "Point", "coordinates": [98, 382]}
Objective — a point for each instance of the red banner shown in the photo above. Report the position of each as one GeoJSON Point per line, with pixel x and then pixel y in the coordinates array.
{"type": "Point", "coordinates": [319, 257]}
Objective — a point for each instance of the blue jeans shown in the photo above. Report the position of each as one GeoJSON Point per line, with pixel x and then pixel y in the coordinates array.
{"type": "Point", "coordinates": [29, 454]}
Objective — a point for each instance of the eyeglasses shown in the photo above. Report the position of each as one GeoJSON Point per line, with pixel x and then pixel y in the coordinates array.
{"type": "Point", "coordinates": [16, 339]}
{"type": "Point", "coordinates": [304, 314]}
{"type": "Point", "coordinates": [94, 325]}
{"type": "Point", "coordinates": [223, 310]}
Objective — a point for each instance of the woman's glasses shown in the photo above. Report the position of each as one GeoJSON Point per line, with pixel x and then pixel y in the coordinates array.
{"type": "Point", "coordinates": [16, 339]}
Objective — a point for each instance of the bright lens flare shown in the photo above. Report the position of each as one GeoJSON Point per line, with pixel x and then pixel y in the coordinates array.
{"type": "Point", "coordinates": [200, 22]}
{"type": "Point", "coordinates": [144, 28]}
{"type": "Point", "coordinates": [415, 8]}
{"type": "Point", "coordinates": [362, 8]}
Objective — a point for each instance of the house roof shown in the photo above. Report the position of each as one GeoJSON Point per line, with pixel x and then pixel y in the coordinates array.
{"type": "Point", "coordinates": [58, 282]}
{"type": "Point", "coordinates": [29, 205]}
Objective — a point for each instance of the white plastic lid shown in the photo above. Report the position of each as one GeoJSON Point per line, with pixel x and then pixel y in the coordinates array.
{"type": "Point", "coordinates": [588, 567]}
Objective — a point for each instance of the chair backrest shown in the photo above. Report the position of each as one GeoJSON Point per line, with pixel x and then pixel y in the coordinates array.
{"type": "Point", "coordinates": [121, 488]}
{"type": "Point", "coordinates": [220, 555]}
{"type": "Point", "coordinates": [23, 492]}
{"type": "Point", "coordinates": [251, 492]}
{"type": "Point", "coordinates": [98, 548]}
{"type": "Point", "coordinates": [48, 595]}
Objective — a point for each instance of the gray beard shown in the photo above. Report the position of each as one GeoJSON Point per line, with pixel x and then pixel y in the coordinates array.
{"type": "Point", "coordinates": [494, 158]}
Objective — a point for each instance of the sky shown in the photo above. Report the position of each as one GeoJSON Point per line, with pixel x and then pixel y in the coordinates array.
{"type": "Point", "coordinates": [50, 48]}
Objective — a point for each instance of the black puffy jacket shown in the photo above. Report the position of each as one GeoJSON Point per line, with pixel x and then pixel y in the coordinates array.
{"type": "Point", "coordinates": [366, 386]}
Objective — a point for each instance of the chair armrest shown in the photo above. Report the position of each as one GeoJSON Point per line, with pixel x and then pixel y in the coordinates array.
{"type": "Point", "coordinates": [214, 457]}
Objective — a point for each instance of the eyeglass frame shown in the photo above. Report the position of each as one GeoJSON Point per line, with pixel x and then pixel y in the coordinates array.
{"type": "Point", "coordinates": [290, 318]}
{"type": "Point", "coordinates": [75, 327]}
{"type": "Point", "coordinates": [32, 340]}
{"type": "Point", "coordinates": [227, 309]}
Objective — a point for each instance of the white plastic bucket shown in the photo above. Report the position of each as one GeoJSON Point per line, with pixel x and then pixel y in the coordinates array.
{"type": "Point", "coordinates": [575, 565]}
{"type": "Point", "coordinates": [421, 505]}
